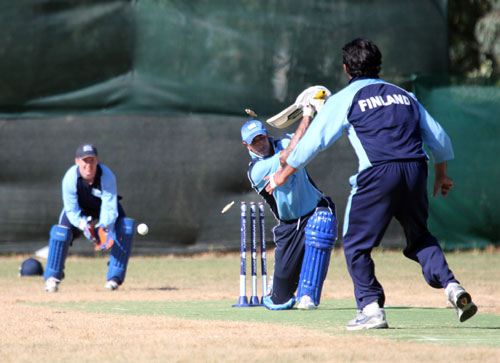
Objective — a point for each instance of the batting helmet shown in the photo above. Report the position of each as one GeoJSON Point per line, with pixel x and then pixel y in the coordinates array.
{"type": "Point", "coordinates": [31, 267]}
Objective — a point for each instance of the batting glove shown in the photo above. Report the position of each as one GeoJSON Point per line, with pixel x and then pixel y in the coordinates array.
{"type": "Point", "coordinates": [308, 111]}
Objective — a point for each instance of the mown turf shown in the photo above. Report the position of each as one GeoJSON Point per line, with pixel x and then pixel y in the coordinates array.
{"type": "Point", "coordinates": [429, 325]}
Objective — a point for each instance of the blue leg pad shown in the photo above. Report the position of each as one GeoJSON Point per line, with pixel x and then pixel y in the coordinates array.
{"type": "Point", "coordinates": [120, 251]}
{"type": "Point", "coordinates": [321, 234]}
{"type": "Point", "coordinates": [60, 237]}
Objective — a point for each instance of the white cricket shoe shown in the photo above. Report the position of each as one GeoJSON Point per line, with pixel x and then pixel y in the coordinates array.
{"type": "Point", "coordinates": [51, 284]}
{"type": "Point", "coordinates": [306, 303]}
{"type": "Point", "coordinates": [111, 285]}
{"type": "Point", "coordinates": [371, 317]}
{"type": "Point", "coordinates": [461, 301]}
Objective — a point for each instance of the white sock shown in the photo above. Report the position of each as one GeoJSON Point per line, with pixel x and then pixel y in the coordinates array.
{"type": "Point", "coordinates": [449, 287]}
{"type": "Point", "coordinates": [372, 308]}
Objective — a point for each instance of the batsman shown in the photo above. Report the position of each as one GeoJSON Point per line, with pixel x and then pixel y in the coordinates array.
{"type": "Point", "coordinates": [307, 226]}
{"type": "Point", "coordinates": [91, 207]}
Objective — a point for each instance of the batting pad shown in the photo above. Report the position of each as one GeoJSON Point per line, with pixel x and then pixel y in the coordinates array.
{"type": "Point", "coordinates": [321, 234]}
{"type": "Point", "coordinates": [60, 236]}
{"type": "Point", "coordinates": [120, 252]}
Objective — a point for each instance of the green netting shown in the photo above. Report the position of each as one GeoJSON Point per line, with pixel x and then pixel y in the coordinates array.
{"type": "Point", "coordinates": [50, 48]}
{"type": "Point", "coordinates": [213, 56]}
{"type": "Point", "coordinates": [138, 78]}
{"type": "Point", "coordinates": [469, 110]}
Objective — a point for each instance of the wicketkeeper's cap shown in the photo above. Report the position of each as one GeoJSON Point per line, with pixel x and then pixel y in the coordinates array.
{"type": "Point", "coordinates": [31, 267]}
{"type": "Point", "coordinates": [86, 150]}
{"type": "Point", "coordinates": [250, 129]}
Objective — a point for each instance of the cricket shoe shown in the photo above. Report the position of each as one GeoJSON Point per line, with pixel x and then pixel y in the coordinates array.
{"type": "Point", "coordinates": [461, 301]}
{"type": "Point", "coordinates": [306, 303]}
{"type": "Point", "coordinates": [371, 317]}
{"type": "Point", "coordinates": [51, 284]}
{"type": "Point", "coordinates": [111, 285]}
{"type": "Point", "coordinates": [268, 303]}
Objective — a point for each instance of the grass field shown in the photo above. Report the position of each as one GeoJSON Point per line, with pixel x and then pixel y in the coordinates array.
{"type": "Point", "coordinates": [179, 309]}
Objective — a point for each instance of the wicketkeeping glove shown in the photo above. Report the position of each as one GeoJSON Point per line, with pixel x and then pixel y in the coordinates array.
{"type": "Point", "coordinates": [105, 238]}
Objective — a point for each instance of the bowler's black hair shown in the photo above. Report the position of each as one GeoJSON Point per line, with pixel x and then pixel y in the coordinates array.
{"type": "Point", "coordinates": [362, 58]}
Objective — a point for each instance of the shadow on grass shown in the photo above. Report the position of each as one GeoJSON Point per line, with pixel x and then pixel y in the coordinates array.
{"type": "Point", "coordinates": [163, 288]}
{"type": "Point", "coordinates": [412, 308]}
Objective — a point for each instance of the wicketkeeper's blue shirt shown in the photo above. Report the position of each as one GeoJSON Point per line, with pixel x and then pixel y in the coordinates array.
{"type": "Point", "coordinates": [292, 200]}
{"type": "Point", "coordinates": [99, 200]}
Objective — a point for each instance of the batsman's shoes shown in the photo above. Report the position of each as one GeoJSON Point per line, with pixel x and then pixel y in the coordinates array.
{"type": "Point", "coordinates": [111, 285]}
{"type": "Point", "coordinates": [268, 303]}
{"type": "Point", "coordinates": [306, 303]}
{"type": "Point", "coordinates": [371, 317]}
{"type": "Point", "coordinates": [461, 301]}
{"type": "Point", "coordinates": [51, 284]}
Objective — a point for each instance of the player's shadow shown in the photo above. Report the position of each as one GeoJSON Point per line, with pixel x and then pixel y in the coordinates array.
{"type": "Point", "coordinates": [413, 307]}
{"type": "Point", "coordinates": [386, 308]}
{"type": "Point", "coordinates": [446, 308]}
{"type": "Point", "coordinates": [336, 308]}
{"type": "Point", "coordinates": [162, 288]}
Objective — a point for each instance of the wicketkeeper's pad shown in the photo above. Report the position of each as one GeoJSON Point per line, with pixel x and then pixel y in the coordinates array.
{"type": "Point", "coordinates": [315, 96]}
{"type": "Point", "coordinates": [60, 238]}
{"type": "Point", "coordinates": [120, 252]}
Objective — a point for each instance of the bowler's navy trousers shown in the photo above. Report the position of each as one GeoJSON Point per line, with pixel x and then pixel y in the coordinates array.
{"type": "Point", "coordinates": [393, 189]}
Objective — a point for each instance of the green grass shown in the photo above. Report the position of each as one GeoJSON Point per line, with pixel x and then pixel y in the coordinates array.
{"type": "Point", "coordinates": [439, 327]}
{"type": "Point", "coordinates": [428, 325]}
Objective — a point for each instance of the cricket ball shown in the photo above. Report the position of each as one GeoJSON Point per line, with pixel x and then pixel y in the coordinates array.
{"type": "Point", "coordinates": [142, 229]}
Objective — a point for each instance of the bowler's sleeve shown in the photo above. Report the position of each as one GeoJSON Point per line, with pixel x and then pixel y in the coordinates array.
{"type": "Point", "coordinates": [435, 137]}
{"type": "Point", "coordinates": [325, 128]}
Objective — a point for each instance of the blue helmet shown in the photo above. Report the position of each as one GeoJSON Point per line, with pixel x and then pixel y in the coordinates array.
{"type": "Point", "coordinates": [31, 267]}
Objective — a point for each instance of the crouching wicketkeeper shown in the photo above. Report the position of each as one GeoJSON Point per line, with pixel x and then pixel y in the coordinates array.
{"type": "Point", "coordinates": [91, 207]}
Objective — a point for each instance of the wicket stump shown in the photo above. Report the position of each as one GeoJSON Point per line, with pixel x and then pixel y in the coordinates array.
{"type": "Point", "coordinates": [254, 299]}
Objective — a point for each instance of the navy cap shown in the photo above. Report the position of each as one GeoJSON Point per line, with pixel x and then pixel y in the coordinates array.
{"type": "Point", "coordinates": [250, 129]}
{"type": "Point", "coordinates": [86, 150]}
{"type": "Point", "coordinates": [31, 267]}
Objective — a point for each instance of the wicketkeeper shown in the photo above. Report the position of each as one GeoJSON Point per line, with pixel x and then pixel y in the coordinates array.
{"type": "Point", "coordinates": [91, 207]}
{"type": "Point", "coordinates": [307, 225]}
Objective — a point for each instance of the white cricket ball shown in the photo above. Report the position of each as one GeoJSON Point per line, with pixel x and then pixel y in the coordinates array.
{"type": "Point", "coordinates": [142, 229]}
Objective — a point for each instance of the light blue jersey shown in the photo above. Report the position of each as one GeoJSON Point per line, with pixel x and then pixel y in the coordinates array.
{"type": "Point", "coordinates": [383, 122]}
{"type": "Point", "coordinates": [99, 200]}
{"type": "Point", "coordinates": [292, 200]}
